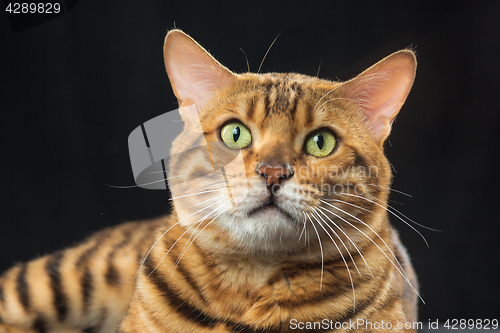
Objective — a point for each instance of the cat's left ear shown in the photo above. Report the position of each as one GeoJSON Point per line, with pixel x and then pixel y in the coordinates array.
{"type": "Point", "coordinates": [194, 74]}
{"type": "Point", "coordinates": [382, 89]}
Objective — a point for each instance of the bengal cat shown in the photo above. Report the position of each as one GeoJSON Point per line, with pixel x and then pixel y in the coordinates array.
{"type": "Point", "coordinates": [295, 239]}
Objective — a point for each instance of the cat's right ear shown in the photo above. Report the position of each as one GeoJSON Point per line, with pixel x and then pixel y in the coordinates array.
{"type": "Point", "coordinates": [382, 89]}
{"type": "Point", "coordinates": [194, 74]}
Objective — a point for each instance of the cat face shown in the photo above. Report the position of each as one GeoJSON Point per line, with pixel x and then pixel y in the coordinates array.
{"type": "Point", "coordinates": [289, 160]}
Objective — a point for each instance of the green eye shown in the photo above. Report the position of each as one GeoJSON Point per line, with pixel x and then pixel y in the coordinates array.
{"type": "Point", "coordinates": [236, 136]}
{"type": "Point", "coordinates": [321, 143]}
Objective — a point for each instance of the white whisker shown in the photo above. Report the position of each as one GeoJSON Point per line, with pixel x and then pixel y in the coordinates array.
{"type": "Point", "coordinates": [349, 238]}
{"type": "Point", "coordinates": [171, 247]}
{"type": "Point", "coordinates": [221, 182]}
{"type": "Point", "coordinates": [156, 172]}
{"type": "Point", "coordinates": [339, 98]}
{"type": "Point", "coordinates": [336, 235]}
{"type": "Point", "coordinates": [139, 185]}
{"type": "Point", "coordinates": [326, 94]}
{"type": "Point", "coordinates": [351, 204]}
{"type": "Point", "coordinates": [145, 184]}
{"type": "Point", "coordinates": [400, 269]}
{"type": "Point", "coordinates": [189, 241]}
{"type": "Point", "coordinates": [393, 190]}
{"type": "Point", "coordinates": [303, 232]}
{"type": "Point", "coordinates": [364, 234]}
{"type": "Point", "coordinates": [190, 195]}
{"type": "Point", "coordinates": [416, 223]}
{"type": "Point", "coordinates": [376, 203]}
{"type": "Point", "coordinates": [199, 203]}
{"type": "Point", "coordinates": [341, 255]}
{"type": "Point", "coordinates": [179, 236]}
{"type": "Point", "coordinates": [332, 99]}
{"type": "Point", "coordinates": [321, 249]}
{"type": "Point", "coordinates": [152, 246]}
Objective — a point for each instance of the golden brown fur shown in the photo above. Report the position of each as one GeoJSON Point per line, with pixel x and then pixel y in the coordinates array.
{"type": "Point", "coordinates": [254, 261]}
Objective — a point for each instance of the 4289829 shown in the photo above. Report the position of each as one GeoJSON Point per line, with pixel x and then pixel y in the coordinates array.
{"type": "Point", "coordinates": [33, 8]}
{"type": "Point", "coordinates": [478, 324]}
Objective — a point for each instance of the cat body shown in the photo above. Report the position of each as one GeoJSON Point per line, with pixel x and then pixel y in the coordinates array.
{"type": "Point", "coordinates": [296, 238]}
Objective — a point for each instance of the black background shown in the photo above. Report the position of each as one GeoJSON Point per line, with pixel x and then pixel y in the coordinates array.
{"type": "Point", "coordinates": [73, 89]}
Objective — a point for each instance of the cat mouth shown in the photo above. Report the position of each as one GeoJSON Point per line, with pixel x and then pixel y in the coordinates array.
{"type": "Point", "coordinates": [269, 208]}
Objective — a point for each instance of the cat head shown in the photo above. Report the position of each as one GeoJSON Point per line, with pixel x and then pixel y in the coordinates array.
{"type": "Point", "coordinates": [286, 160]}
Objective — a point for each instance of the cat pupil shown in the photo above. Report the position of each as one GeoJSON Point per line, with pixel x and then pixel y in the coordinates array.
{"type": "Point", "coordinates": [319, 141]}
{"type": "Point", "coordinates": [236, 133]}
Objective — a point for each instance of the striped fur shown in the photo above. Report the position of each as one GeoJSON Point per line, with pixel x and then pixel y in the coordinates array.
{"type": "Point", "coordinates": [303, 254]}
{"type": "Point", "coordinates": [76, 289]}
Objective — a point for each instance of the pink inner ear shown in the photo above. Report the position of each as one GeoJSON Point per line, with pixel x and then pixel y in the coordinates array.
{"type": "Point", "coordinates": [382, 89]}
{"type": "Point", "coordinates": [194, 74]}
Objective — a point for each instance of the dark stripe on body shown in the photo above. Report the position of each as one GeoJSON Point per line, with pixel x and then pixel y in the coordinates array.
{"type": "Point", "coordinates": [22, 287]}
{"type": "Point", "coordinates": [281, 327]}
{"type": "Point", "coordinates": [91, 330]}
{"type": "Point", "coordinates": [112, 275]}
{"type": "Point", "coordinates": [241, 328]}
{"type": "Point", "coordinates": [389, 302]}
{"type": "Point", "coordinates": [197, 316]}
{"type": "Point", "coordinates": [87, 283]}
{"type": "Point", "coordinates": [40, 325]}
{"type": "Point", "coordinates": [86, 279]}
{"type": "Point", "coordinates": [366, 302]}
{"type": "Point", "coordinates": [144, 242]}
{"type": "Point", "coordinates": [59, 298]}
{"type": "Point", "coordinates": [189, 279]}
{"type": "Point", "coordinates": [181, 307]}
{"type": "Point", "coordinates": [87, 254]}
{"type": "Point", "coordinates": [305, 268]}
{"type": "Point", "coordinates": [336, 288]}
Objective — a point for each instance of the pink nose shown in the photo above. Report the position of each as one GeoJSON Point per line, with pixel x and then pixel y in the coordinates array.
{"type": "Point", "coordinates": [273, 175]}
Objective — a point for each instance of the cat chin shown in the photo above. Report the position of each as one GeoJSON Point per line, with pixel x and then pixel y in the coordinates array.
{"type": "Point", "coordinates": [267, 230]}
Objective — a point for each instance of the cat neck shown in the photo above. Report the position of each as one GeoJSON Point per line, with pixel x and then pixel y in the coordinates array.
{"type": "Point", "coordinates": [259, 285]}
{"type": "Point", "coordinates": [180, 251]}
